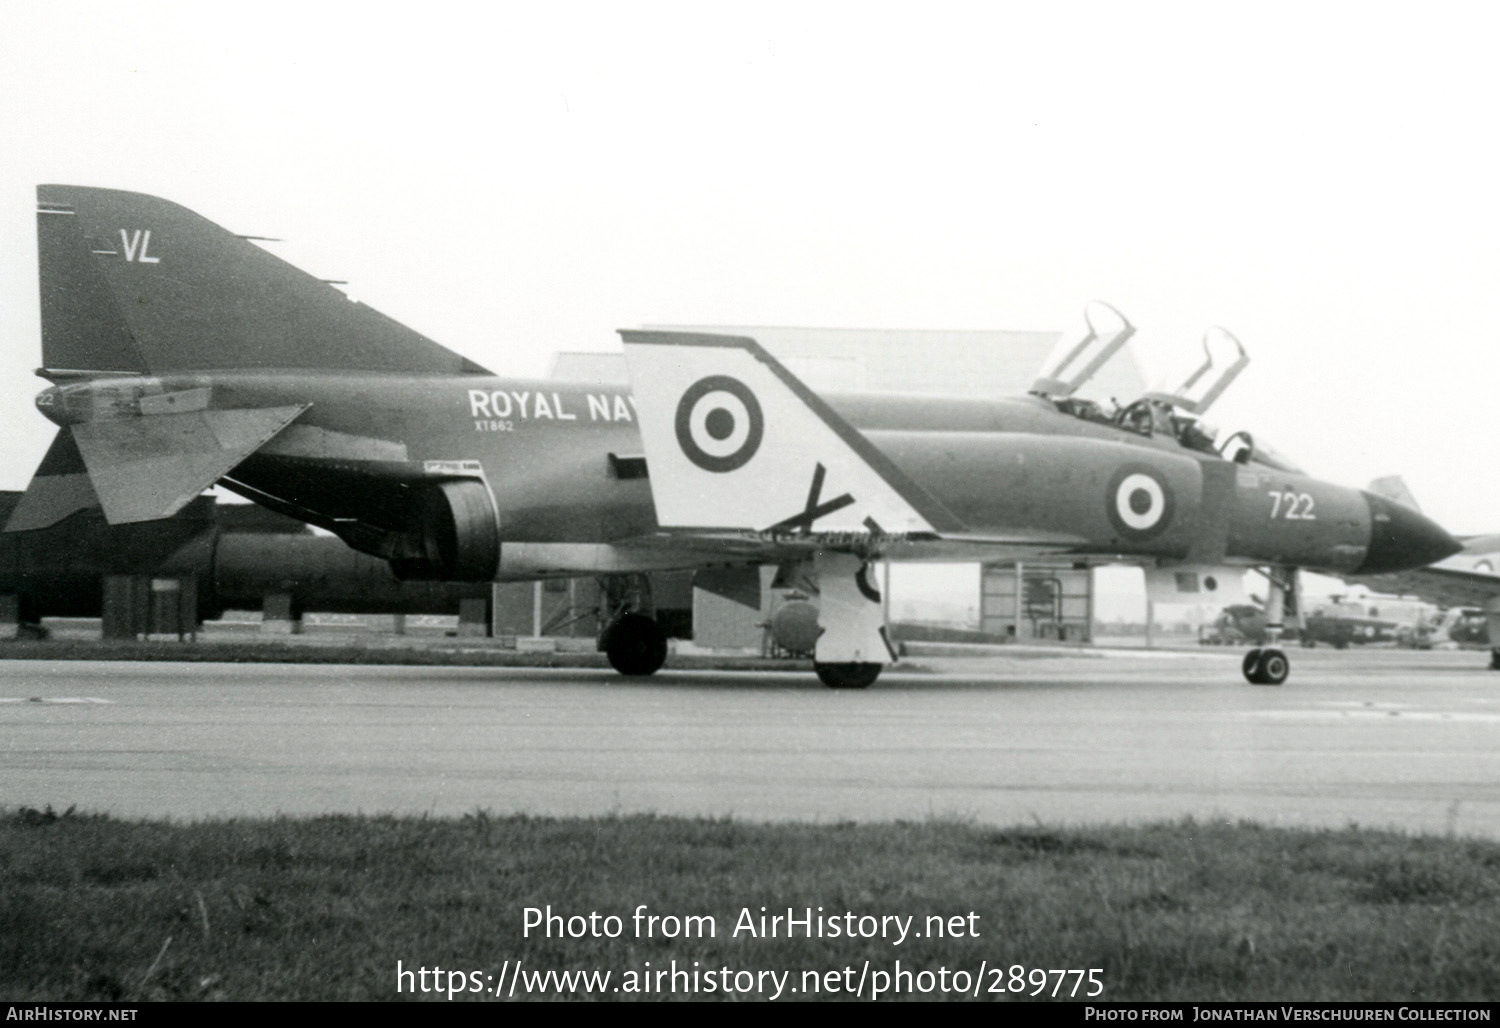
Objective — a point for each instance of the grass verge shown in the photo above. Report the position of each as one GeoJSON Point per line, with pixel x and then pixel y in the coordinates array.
{"type": "Point", "coordinates": [93, 908]}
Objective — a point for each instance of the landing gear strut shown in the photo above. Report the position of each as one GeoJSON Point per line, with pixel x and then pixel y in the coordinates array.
{"type": "Point", "coordinates": [1269, 666]}
{"type": "Point", "coordinates": [853, 648]}
{"type": "Point", "coordinates": [635, 645]}
{"type": "Point", "coordinates": [632, 639]}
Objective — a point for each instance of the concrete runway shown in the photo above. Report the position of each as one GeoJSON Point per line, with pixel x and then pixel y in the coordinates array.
{"type": "Point", "coordinates": [1379, 738]}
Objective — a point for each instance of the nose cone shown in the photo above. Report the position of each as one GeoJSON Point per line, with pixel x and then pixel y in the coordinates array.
{"type": "Point", "coordinates": [1401, 538]}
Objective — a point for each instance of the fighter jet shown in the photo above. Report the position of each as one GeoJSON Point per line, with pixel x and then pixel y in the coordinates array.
{"type": "Point", "coordinates": [183, 355]}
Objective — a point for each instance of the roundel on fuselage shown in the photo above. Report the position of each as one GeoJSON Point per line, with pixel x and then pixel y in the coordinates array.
{"type": "Point", "coordinates": [1139, 502]}
{"type": "Point", "coordinates": [719, 423]}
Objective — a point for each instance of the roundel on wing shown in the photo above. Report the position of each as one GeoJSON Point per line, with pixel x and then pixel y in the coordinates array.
{"type": "Point", "coordinates": [1139, 502]}
{"type": "Point", "coordinates": [719, 423]}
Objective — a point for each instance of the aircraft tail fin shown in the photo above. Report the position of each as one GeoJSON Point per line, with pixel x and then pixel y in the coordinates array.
{"type": "Point", "coordinates": [133, 283]}
{"type": "Point", "coordinates": [734, 441]}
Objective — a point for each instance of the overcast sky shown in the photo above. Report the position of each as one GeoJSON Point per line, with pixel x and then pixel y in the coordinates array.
{"type": "Point", "coordinates": [515, 179]}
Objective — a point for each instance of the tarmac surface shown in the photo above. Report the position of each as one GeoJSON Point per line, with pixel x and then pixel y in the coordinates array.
{"type": "Point", "coordinates": [1379, 738]}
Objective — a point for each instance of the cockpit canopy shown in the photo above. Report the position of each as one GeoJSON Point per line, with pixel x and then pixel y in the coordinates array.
{"type": "Point", "coordinates": [1224, 358]}
{"type": "Point", "coordinates": [1074, 362]}
{"type": "Point", "coordinates": [1175, 413]}
{"type": "Point", "coordinates": [1242, 448]}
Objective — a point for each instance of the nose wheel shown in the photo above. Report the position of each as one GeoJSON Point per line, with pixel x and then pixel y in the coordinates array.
{"type": "Point", "coordinates": [1267, 666]}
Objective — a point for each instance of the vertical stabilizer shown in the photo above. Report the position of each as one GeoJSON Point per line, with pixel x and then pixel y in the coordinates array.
{"type": "Point", "coordinates": [82, 327]}
{"type": "Point", "coordinates": [134, 283]}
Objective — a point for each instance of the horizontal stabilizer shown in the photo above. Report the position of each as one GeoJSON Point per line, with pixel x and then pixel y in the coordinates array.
{"type": "Point", "coordinates": [150, 467]}
{"type": "Point", "coordinates": [735, 441]}
{"type": "Point", "coordinates": [60, 487]}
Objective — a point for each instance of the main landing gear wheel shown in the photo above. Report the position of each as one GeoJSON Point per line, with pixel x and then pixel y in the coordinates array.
{"type": "Point", "coordinates": [848, 676]}
{"type": "Point", "coordinates": [635, 645]}
{"type": "Point", "coordinates": [1266, 667]}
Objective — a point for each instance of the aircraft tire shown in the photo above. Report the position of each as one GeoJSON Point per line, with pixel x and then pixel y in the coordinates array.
{"type": "Point", "coordinates": [636, 645]}
{"type": "Point", "coordinates": [1274, 667]}
{"type": "Point", "coordinates": [1251, 666]}
{"type": "Point", "coordinates": [848, 676]}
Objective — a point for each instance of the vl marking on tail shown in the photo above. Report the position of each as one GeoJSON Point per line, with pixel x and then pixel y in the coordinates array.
{"type": "Point", "coordinates": [135, 246]}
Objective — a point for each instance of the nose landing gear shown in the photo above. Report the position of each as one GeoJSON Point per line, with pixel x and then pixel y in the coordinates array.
{"type": "Point", "coordinates": [1269, 665]}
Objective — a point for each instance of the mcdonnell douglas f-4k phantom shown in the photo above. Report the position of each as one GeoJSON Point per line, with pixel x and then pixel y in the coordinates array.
{"type": "Point", "coordinates": [182, 355]}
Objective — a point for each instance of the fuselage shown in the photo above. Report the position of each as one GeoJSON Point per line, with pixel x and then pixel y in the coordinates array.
{"type": "Point", "coordinates": [557, 458]}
